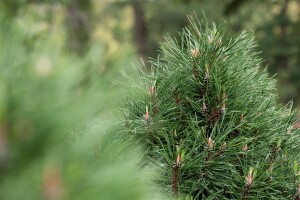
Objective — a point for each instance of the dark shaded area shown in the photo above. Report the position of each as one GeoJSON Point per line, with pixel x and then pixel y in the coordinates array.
{"type": "Point", "coordinates": [79, 24]}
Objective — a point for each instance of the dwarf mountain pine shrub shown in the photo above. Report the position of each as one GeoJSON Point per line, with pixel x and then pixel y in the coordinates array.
{"type": "Point", "coordinates": [209, 118]}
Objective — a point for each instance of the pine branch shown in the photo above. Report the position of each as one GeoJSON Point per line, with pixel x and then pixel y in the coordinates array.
{"type": "Point", "coordinates": [210, 89]}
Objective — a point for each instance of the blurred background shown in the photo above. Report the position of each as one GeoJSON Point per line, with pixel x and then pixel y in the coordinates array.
{"type": "Point", "coordinates": [116, 33]}
{"type": "Point", "coordinates": [58, 62]}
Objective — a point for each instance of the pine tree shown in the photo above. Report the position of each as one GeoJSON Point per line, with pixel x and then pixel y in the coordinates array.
{"type": "Point", "coordinates": [209, 118]}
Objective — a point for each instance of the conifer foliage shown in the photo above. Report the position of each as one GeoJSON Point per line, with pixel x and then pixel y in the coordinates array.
{"type": "Point", "coordinates": [209, 119]}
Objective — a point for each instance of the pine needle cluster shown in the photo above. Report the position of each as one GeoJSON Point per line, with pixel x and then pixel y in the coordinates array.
{"type": "Point", "coordinates": [209, 118]}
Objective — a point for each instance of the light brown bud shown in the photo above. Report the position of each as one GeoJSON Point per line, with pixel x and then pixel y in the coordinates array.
{"type": "Point", "coordinates": [289, 130]}
{"type": "Point", "coordinates": [242, 116]}
{"type": "Point", "coordinates": [223, 105]}
{"type": "Point", "coordinates": [219, 42]}
{"type": "Point", "coordinates": [224, 96]}
{"type": "Point", "coordinates": [210, 39]}
{"type": "Point", "coordinates": [206, 74]}
{"type": "Point", "coordinates": [297, 125]}
{"type": "Point", "coordinates": [152, 90]}
{"type": "Point", "coordinates": [245, 147]}
{"type": "Point", "coordinates": [174, 133]}
{"type": "Point", "coordinates": [249, 179]}
{"type": "Point", "coordinates": [52, 184]}
{"type": "Point", "coordinates": [195, 53]}
{"type": "Point", "coordinates": [223, 108]}
{"type": "Point", "coordinates": [224, 145]}
{"type": "Point", "coordinates": [146, 116]}
{"type": "Point", "coordinates": [178, 160]}
{"type": "Point", "coordinates": [210, 143]}
{"type": "Point", "coordinates": [204, 107]}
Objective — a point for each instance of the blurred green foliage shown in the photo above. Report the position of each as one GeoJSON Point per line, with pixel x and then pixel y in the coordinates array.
{"type": "Point", "coordinates": [58, 60]}
{"type": "Point", "coordinates": [57, 137]}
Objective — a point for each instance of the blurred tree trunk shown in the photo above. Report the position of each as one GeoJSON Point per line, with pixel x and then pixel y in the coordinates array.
{"type": "Point", "coordinates": [232, 6]}
{"type": "Point", "coordinates": [282, 58]}
{"type": "Point", "coordinates": [140, 29]}
{"type": "Point", "coordinates": [78, 21]}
